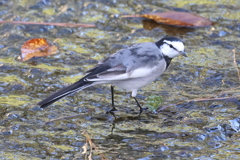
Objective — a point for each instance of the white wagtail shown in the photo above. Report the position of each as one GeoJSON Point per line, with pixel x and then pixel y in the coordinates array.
{"type": "Point", "coordinates": [130, 68]}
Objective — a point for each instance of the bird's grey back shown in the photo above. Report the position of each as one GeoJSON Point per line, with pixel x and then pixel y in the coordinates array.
{"type": "Point", "coordinates": [136, 56]}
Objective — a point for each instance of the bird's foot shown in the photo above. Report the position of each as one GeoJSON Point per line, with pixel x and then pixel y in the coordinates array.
{"type": "Point", "coordinates": [112, 110]}
{"type": "Point", "coordinates": [142, 109]}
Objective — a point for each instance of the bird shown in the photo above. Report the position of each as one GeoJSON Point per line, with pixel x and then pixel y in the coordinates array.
{"type": "Point", "coordinates": [130, 68]}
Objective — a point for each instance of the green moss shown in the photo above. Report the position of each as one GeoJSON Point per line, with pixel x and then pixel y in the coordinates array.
{"type": "Point", "coordinates": [69, 133]}
{"type": "Point", "coordinates": [75, 48]}
{"type": "Point", "coordinates": [63, 147]}
{"type": "Point", "coordinates": [231, 15]}
{"type": "Point", "coordinates": [71, 79]}
{"type": "Point", "coordinates": [44, 66]}
{"type": "Point", "coordinates": [25, 3]}
{"type": "Point", "coordinates": [14, 100]}
{"type": "Point", "coordinates": [15, 155]}
{"type": "Point", "coordinates": [134, 25]}
{"type": "Point", "coordinates": [141, 40]}
{"type": "Point", "coordinates": [49, 11]}
{"type": "Point", "coordinates": [181, 3]}
{"type": "Point", "coordinates": [93, 33]}
{"type": "Point", "coordinates": [153, 102]}
{"type": "Point", "coordinates": [93, 19]}
{"type": "Point", "coordinates": [9, 79]}
{"type": "Point", "coordinates": [114, 11]}
{"type": "Point", "coordinates": [72, 47]}
{"type": "Point", "coordinates": [20, 64]}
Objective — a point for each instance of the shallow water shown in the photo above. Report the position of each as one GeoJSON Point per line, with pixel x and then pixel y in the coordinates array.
{"type": "Point", "coordinates": [190, 130]}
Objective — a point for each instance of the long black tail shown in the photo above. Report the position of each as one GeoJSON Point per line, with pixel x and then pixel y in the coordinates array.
{"type": "Point", "coordinates": [77, 86]}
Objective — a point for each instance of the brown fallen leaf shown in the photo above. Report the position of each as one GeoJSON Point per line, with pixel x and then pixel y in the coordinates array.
{"type": "Point", "coordinates": [37, 47]}
{"type": "Point", "coordinates": [176, 18]}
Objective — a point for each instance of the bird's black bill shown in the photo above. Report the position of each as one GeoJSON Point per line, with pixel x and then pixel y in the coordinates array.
{"type": "Point", "coordinates": [183, 54]}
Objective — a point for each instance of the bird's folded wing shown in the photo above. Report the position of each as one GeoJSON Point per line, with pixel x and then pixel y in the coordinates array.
{"type": "Point", "coordinates": [120, 72]}
{"type": "Point", "coordinates": [139, 60]}
{"type": "Point", "coordinates": [107, 74]}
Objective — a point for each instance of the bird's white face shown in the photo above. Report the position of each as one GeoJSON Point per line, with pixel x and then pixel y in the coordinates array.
{"type": "Point", "coordinates": [172, 48]}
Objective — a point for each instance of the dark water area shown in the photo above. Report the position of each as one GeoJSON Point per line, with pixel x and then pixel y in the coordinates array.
{"type": "Point", "coordinates": [189, 128]}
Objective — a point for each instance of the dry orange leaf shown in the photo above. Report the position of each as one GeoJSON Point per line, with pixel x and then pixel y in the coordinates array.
{"type": "Point", "coordinates": [37, 47]}
{"type": "Point", "coordinates": [176, 18]}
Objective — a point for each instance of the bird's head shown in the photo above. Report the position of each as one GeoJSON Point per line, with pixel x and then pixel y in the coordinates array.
{"type": "Point", "coordinates": [171, 47]}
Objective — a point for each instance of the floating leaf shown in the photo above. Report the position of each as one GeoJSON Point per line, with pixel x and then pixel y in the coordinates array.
{"type": "Point", "coordinates": [176, 18]}
{"type": "Point", "coordinates": [38, 47]}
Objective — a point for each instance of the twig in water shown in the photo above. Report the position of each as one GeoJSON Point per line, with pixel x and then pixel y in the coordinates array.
{"type": "Point", "coordinates": [229, 99]}
{"type": "Point", "coordinates": [52, 24]}
{"type": "Point", "coordinates": [235, 63]}
{"type": "Point", "coordinates": [92, 146]}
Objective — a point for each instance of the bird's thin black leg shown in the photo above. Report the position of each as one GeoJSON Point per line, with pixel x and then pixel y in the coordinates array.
{"type": "Point", "coordinates": [112, 93]}
{"type": "Point", "coordinates": [140, 107]}
{"type": "Point", "coordinates": [113, 106]}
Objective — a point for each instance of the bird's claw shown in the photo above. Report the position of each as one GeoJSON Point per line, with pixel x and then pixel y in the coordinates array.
{"type": "Point", "coordinates": [111, 111]}
{"type": "Point", "coordinates": [142, 109]}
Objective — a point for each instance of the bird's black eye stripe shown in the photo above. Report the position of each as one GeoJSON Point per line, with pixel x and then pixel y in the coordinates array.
{"type": "Point", "coordinates": [171, 46]}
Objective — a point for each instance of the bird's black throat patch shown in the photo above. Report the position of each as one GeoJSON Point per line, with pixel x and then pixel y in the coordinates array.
{"type": "Point", "coordinates": [168, 60]}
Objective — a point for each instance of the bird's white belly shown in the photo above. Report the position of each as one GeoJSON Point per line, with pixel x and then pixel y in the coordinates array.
{"type": "Point", "coordinates": [137, 83]}
{"type": "Point", "coordinates": [133, 84]}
